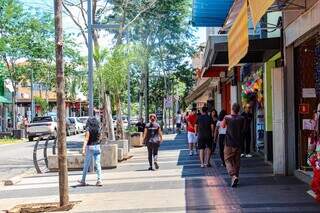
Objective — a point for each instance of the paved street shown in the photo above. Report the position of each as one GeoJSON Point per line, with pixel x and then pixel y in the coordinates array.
{"type": "Point", "coordinates": [179, 186]}
{"type": "Point", "coordinates": [15, 159]}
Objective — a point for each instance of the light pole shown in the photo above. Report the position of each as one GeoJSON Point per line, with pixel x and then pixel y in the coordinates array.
{"type": "Point", "coordinates": [90, 58]}
{"type": "Point", "coordinates": [129, 86]}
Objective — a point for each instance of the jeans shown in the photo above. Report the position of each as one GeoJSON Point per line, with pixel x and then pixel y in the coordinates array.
{"type": "Point", "coordinates": [221, 147]}
{"type": "Point", "coordinates": [246, 143]}
{"type": "Point", "coordinates": [232, 160]}
{"type": "Point", "coordinates": [152, 152]}
{"type": "Point", "coordinates": [94, 151]}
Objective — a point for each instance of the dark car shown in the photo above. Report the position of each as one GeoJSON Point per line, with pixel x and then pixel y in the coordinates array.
{"type": "Point", "coordinates": [70, 127]}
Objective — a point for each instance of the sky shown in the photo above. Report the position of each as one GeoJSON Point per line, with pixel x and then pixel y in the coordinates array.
{"type": "Point", "coordinates": [70, 27]}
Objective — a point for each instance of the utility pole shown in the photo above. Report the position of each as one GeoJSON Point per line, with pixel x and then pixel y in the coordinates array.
{"type": "Point", "coordinates": [62, 146]}
{"type": "Point", "coordinates": [90, 57]}
{"type": "Point", "coordinates": [32, 98]}
{"type": "Point", "coordinates": [129, 86]}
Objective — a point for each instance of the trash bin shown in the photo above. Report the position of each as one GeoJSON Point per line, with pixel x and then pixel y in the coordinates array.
{"type": "Point", "coordinates": [18, 133]}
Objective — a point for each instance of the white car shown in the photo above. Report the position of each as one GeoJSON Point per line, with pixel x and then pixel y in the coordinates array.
{"type": "Point", "coordinates": [83, 120]}
{"type": "Point", "coordinates": [80, 126]}
{"type": "Point", "coordinates": [40, 126]}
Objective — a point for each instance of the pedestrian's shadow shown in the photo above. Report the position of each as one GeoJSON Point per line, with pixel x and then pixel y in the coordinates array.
{"type": "Point", "coordinates": [80, 185]}
{"type": "Point", "coordinates": [142, 170]}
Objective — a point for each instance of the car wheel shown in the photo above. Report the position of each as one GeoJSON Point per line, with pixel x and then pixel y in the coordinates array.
{"type": "Point", "coordinates": [54, 134]}
{"type": "Point", "coordinates": [30, 138]}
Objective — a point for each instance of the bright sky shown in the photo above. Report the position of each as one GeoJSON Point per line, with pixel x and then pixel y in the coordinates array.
{"type": "Point", "coordinates": [70, 27]}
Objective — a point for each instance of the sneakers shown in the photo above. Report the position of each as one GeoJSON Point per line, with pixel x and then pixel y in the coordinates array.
{"type": "Point", "coordinates": [242, 155]}
{"type": "Point", "coordinates": [249, 156]}
{"type": "Point", "coordinates": [202, 166]}
{"type": "Point", "coordinates": [156, 165]}
{"type": "Point", "coordinates": [234, 181]}
{"type": "Point", "coordinates": [81, 183]}
{"type": "Point", "coordinates": [190, 153]}
{"type": "Point", "coordinates": [99, 183]}
{"type": "Point", "coordinates": [151, 169]}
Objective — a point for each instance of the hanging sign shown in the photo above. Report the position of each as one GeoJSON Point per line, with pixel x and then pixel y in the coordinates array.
{"type": "Point", "coordinates": [309, 93]}
{"type": "Point", "coordinates": [304, 108]}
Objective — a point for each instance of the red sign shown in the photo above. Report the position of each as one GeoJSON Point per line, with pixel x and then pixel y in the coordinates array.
{"type": "Point", "coordinates": [304, 108]}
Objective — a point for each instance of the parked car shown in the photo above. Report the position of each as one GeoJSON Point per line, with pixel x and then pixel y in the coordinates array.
{"type": "Point", "coordinates": [40, 126]}
{"type": "Point", "coordinates": [83, 120]}
{"type": "Point", "coordinates": [71, 128]}
{"type": "Point", "coordinates": [79, 125]}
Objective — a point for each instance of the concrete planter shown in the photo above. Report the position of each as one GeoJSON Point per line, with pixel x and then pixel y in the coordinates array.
{"type": "Point", "coordinates": [137, 139]}
{"type": "Point", "coordinates": [123, 144]}
{"type": "Point", "coordinates": [109, 159]}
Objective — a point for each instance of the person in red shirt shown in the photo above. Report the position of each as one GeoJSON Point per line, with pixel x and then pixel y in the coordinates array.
{"type": "Point", "coordinates": [314, 162]}
{"type": "Point", "coordinates": [192, 138]}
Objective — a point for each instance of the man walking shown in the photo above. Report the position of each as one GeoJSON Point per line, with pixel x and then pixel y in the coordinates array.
{"type": "Point", "coordinates": [246, 142]}
{"type": "Point", "coordinates": [192, 139]}
{"type": "Point", "coordinates": [232, 151]}
{"type": "Point", "coordinates": [204, 130]}
{"type": "Point", "coordinates": [178, 122]}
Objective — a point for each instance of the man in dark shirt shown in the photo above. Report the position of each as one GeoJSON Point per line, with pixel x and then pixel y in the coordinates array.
{"type": "Point", "coordinates": [246, 142]}
{"type": "Point", "coordinates": [204, 129]}
{"type": "Point", "coordinates": [141, 125]}
{"type": "Point", "coordinates": [232, 151]}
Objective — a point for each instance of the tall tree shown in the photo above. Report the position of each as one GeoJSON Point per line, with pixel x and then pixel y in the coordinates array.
{"type": "Point", "coordinates": [62, 147]}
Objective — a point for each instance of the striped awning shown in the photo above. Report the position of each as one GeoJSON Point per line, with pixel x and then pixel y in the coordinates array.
{"type": "Point", "coordinates": [238, 35]}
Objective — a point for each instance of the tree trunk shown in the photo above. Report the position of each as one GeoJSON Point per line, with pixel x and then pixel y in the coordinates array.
{"type": "Point", "coordinates": [61, 136]}
{"type": "Point", "coordinates": [14, 106]}
{"type": "Point", "coordinates": [120, 132]}
{"type": "Point", "coordinates": [146, 91]}
{"type": "Point", "coordinates": [109, 118]}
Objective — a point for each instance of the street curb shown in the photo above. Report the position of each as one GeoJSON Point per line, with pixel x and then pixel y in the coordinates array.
{"type": "Point", "coordinates": [16, 179]}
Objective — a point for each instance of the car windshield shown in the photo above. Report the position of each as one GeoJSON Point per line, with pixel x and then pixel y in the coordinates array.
{"type": "Point", "coordinates": [83, 120]}
{"type": "Point", "coordinates": [42, 119]}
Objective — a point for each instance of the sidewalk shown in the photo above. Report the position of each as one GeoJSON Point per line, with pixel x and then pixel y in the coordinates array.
{"type": "Point", "coordinates": [179, 186]}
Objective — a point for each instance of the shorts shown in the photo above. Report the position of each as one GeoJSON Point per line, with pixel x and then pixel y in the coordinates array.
{"type": "Point", "coordinates": [178, 125]}
{"type": "Point", "coordinates": [204, 143]}
{"type": "Point", "coordinates": [192, 138]}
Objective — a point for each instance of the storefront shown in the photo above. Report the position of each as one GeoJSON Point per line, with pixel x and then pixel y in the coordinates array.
{"type": "Point", "coordinates": [252, 93]}
{"type": "Point", "coordinates": [307, 98]}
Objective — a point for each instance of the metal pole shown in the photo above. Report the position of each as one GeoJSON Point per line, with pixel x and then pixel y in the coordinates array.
{"type": "Point", "coordinates": [90, 58]}
{"type": "Point", "coordinates": [129, 90]}
{"type": "Point", "coordinates": [32, 99]}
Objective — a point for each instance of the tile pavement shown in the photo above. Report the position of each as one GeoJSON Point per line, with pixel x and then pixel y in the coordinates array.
{"type": "Point", "coordinates": [179, 186]}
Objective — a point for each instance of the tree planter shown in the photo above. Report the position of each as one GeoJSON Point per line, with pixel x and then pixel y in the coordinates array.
{"type": "Point", "coordinates": [109, 159]}
{"type": "Point", "coordinates": [137, 139]}
{"type": "Point", "coordinates": [123, 144]}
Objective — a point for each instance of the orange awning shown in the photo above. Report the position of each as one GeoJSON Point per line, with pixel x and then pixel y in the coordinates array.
{"type": "Point", "coordinates": [258, 9]}
{"type": "Point", "coordinates": [238, 39]}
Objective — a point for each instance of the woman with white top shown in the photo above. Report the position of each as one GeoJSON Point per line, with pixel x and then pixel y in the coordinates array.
{"type": "Point", "coordinates": [220, 134]}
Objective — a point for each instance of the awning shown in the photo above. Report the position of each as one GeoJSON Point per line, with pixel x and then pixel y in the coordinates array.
{"type": "Point", "coordinates": [198, 91]}
{"type": "Point", "coordinates": [214, 71]}
{"type": "Point", "coordinates": [259, 51]}
{"type": "Point", "coordinates": [4, 100]}
{"type": "Point", "coordinates": [210, 13]}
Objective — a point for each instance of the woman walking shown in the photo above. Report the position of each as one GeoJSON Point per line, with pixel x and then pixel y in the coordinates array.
{"type": "Point", "coordinates": [220, 135]}
{"type": "Point", "coordinates": [91, 147]}
{"type": "Point", "coordinates": [214, 116]}
{"type": "Point", "coordinates": [153, 139]}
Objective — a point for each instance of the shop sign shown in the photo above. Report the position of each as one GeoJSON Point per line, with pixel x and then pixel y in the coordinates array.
{"type": "Point", "coordinates": [309, 93]}
{"type": "Point", "coordinates": [304, 108]}
{"type": "Point", "coordinates": [308, 124]}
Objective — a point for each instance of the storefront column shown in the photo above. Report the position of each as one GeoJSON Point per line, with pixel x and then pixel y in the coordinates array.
{"type": "Point", "coordinates": [290, 113]}
{"type": "Point", "coordinates": [267, 82]}
{"type": "Point", "coordinates": [233, 95]}
{"type": "Point", "coordinates": [279, 149]}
